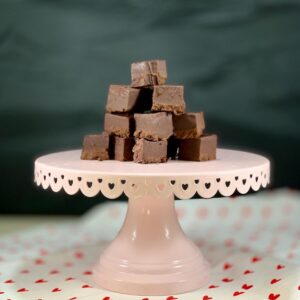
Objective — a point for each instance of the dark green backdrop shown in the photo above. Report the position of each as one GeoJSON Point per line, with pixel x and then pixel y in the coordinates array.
{"type": "Point", "coordinates": [239, 62]}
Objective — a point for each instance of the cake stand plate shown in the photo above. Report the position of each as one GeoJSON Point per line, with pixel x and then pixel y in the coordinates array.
{"type": "Point", "coordinates": [151, 254]}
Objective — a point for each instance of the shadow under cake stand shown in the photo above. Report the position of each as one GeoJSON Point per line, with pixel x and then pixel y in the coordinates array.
{"type": "Point", "coordinates": [151, 255]}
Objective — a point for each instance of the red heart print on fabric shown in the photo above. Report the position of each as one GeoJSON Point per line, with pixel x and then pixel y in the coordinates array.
{"type": "Point", "coordinates": [106, 298]}
{"type": "Point", "coordinates": [40, 281]}
{"type": "Point", "coordinates": [43, 252]}
{"type": "Point", "coordinates": [237, 293]}
{"type": "Point", "coordinates": [24, 271]}
{"type": "Point", "coordinates": [1, 293]}
{"type": "Point", "coordinates": [68, 264]}
{"type": "Point", "coordinates": [39, 261]}
{"type": "Point", "coordinates": [171, 298]}
{"type": "Point", "coordinates": [69, 279]}
{"type": "Point", "coordinates": [273, 296]}
{"type": "Point", "coordinates": [213, 286]}
{"type": "Point", "coordinates": [245, 249]}
{"type": "Point", "coordinates": [274, 280]}
{"type": "Point", "coordinates": [255, 259]}
{"type": "Point", "coordinates": [73, 298]}
{"type": "Point", "coordinates": [202, 212]}
{"type": "Point", "coordinates": [246, 286]}
{"type": "Point", "coordinates": [79, 255]}
{"type": "Point", "coordinates": [145, 299]}
{"type": "Point", "coordinates": [206, 298]}
{"type": "Point", "coordinates": [299, 288]}
{"type": "Point", "coordinates": [229, 243]}
{"type": "Point", "coordinates": [248, 272]}
{"type": "Point", "coordinates": [9, 281]}
{"type": "Point", "coordinates": [22, 290]}
{"type": "Point", "coordinates": [227, 280]}
{"type": "Point", "coordinates": [227, 266]}
{"type": "Point", "coordinates": [55, 290]}
{"type": "Point", "coordinates": [279, 267]}
{"type": "Point", "coordinates": [53, 272]}
{"type": "Point", "coordinates": [88, 273]}
{"type": "Point", "coordinates": [86, 286]}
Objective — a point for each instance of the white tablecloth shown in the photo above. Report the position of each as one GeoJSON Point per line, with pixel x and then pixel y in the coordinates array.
{"type": "Point", "coordinates": [252, 242]}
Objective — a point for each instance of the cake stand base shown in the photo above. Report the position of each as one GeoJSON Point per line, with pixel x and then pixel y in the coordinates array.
{"type": "Point", "coordinates": [151, 254]}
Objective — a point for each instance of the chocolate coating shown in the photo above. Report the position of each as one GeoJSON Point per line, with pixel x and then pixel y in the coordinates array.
{"type": "Point", "coordinates": [153, 126]}
{"type": "Point", "coordinates": [168, 98]}
{"type": "Point", "coordinates": [118, 124]}
{"type": "Point", "coordinates": [96, 147]}
{"type": "Point", "coordinates": [198, 149]}
{"type": "Point", "coordinates": [146, 152]}
{"type": "Point", "coordinates": [123, 98]}
{"type": "Point", "coordinates": [189, 125]}
{"type": "Point", "coordinates": [122, 148]}
{"type": "Point", "coordinates": [148, 73]}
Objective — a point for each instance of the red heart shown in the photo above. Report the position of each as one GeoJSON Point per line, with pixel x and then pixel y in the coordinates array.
{"type": "Point", "coordinates": [69, 278]}
{"type": "Point", "coordinates": [246, 286]}
{"type": "Point", "coordinates": [88, 273]}
{"type": "Point", "coordinates": [108, 298]}
{"type": "Point", "coordinates": [255, 259]}
{"type": "Point", "coordinates": [54, 272]}
{"type": "Point", "coordinates": [68, 264]}
{"type": "Point", "coordinates": [40, 281]}
{"type": "Point", "coordinates": [55, 290]}
{"type": "Point", "coordinates": [171, 298]}
{"type": "Point", "coordinates": [85, 286]}
{"type": "Point", "coordinates": [299, 288]}
{"type": "Point", "coordinates": [273, 296]}
{"type": "Point", "coordinates": [1, 293]}
{"type": "Point", "coordinates": [213, 286]}
{"type": "Point", "coordinates": [79, 255]}
{"type": "Point", "coordinates": [145, 299]}
{"type": "Point", "coordinates": [274, 280]}
{"type": "Point", "coordinates": [39, 261]}
{"type": "Point", "coordinates": [22, 290]}
{"type": "Point", "coordinates": [24, 271]}
{"type": "Point", "coordinates": [248, 272]}
{"type": "Point", "coordinates": [43, 252]}
{"type": "Point", "coordinates": [207, 297]}
{"type": "Point", "coordinates": [237, 293]}
{"type": "Point", "coordinates": [227, 280]}
{"type": "Point", "coordinates": [245, 248]}
{"type": "Point", "coordinates": [9, 281]}
{"type": "Point", "coordinates": [73, 298]}
{"type": "Point", "coordinates": [280, 267]}
{"type": "Point", "coordinates": [229, 243]}
{"type": "Point", "coordinates": [227, 266]}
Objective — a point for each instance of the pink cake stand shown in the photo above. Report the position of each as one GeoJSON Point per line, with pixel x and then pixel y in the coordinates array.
{"type": "Point", "coordinates": [151, 254]}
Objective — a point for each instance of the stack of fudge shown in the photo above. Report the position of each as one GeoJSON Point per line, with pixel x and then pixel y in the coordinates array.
{"type": "Point", "coordinates": [146, 122]}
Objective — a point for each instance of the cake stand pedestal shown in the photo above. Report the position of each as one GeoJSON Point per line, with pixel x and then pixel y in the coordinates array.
{"type": "Point", "coordinates": [151, 254]}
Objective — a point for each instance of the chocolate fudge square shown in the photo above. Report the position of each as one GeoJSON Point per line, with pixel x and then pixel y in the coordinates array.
{"type": "Point", "coordinates": [96, 147]}
{"type": "Point", "coordinates": [122, 148]}
{"type": "Point", "coordinates": [168, 98]}
{"type": "Point", "coordinates": [198, 149]}
{"type": "Point", "coordinates": [153, 126]}
{"type": "Point", "coordinates": [189, 125]}
{"type": "Point", "coordinates": [119, 124]}
{"type": "Point", "coordinates": [146, 152]}
{"type": "Point", "coordinates": [148, 73]}
{"type": "Point", "coordinates": [123, 98]}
